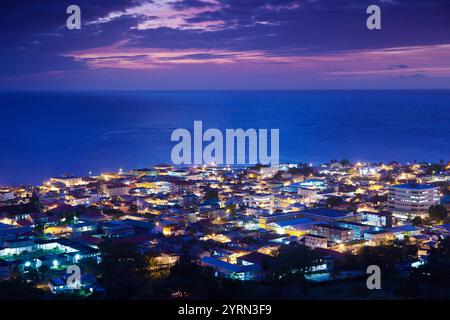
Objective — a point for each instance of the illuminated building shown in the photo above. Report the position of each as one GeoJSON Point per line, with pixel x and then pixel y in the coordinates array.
{"type": "Point", "coordinates": [334, 233]}
{"type": "Point", "coordinates": [410, 200]}
{"type": "Point", "coordinates": [315, 241]}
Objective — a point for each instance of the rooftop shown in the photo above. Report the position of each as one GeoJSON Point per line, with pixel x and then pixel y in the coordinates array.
{"type": "Point", "coordinates": [333, 227]}
{"type": "Point", "coordinates": [329, 213]}
{"type": "Point", "coordinates": [413, 186]}
{"type": "Point", "coordinates": [292, 222]}
{"type": "Point", "coordinates": [228, 266]}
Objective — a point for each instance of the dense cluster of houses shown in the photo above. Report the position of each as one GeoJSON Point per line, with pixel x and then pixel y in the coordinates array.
{"type": "Point", "coordinates": [232, 219]}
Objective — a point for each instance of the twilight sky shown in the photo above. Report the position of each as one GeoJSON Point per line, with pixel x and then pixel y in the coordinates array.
{"type": "Point", "coordinates": [224, 44]}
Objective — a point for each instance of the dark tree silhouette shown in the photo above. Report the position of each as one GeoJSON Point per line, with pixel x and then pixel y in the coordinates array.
{"type": "Point", "coordinates": [437, 213]}
{"type": "Point", "coordinates": [211, 194]}
{"type": "Point", "coordinates": [292, 262]}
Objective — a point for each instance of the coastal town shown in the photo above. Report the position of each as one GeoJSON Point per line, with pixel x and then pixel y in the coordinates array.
{"type": "Point", "coordinates": [237, 222]}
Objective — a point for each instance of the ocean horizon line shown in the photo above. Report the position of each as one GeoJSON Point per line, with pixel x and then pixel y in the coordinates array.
{"type": "Point", "coordinates": [223, 90]}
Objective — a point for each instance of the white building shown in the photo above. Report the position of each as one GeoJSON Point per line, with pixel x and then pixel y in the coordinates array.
{"type": "Point", "coordinates": [309, 195]}
{"type": "Point", "coordinates": [115, 189]}
{"type": "Point", "coordinates": [263, 201]}
{"type": "Point", "coordinates": [268, 172]}
{"type": "Point", "coordinates": [6, 195]}
{"type": "Point", "coordinates": [69, 181]}
{"type": "Point", "coordinates": [314, 241]}
{"type": "Point", "coordinates": [410, 200]}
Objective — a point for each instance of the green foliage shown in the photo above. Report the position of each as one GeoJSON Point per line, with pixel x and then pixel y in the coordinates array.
{"type": "Point", "coordinates": [70, 217]}
{"type": "Point", "coordinates": [18, 289]}
{"type": "Point", "coordinates": [437, 213]}
{"type": "Point", "coordinates": [378, 199]}
{"type": "Point", "coordinates": [302, 169]}
{"type": "Point", "coordinates": [434, 168]}
{"type": "Point", "coordinates": [389, 256]}
{"type": "Point", "coordinates": [187, 280]}
{"type": "Point", "coordinates": [133, 209]}
{"type": "Point", "coordinates": [257, 166]}
{"type": "Point", "coordinates": [211, 194]}
{"type": "Point", "coordinates": [417, 221]}
{"type": "Point", "coordinates": [434, 276]}
{"type": "Point", "coordinates": [35, 203]}
{"type": "Point", "coordinates": [123, 270]}
{"type": "Point", "coordinates": [113, 212]}
{"type": "Point", "coordinates": [278, 175]}
{"type": "Point", "coordinates": [345, 162]}
{"type": "Point", "coordinates": [334, 201]}
{"type": "Point", "coordinates": [231, 209]}
{"type": "Point", "coordinates": [44, 269]}
{"type": "Point", "coordinates": [39, 230]}
{"type": "Point", "coordinates": [292, 262]}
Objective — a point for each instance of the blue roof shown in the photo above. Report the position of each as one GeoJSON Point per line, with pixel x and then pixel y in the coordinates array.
{"type": "Point", "coordinates": [405, 228]}
{"type": "Point", "coordinates": [414, 186]}
{"type": "Point", "coordinates": [330, 213]}
{"type": "Point", "coordinates": [313, 181]}
{"type": "Point", "coordinates": [57, 282]}
{"type": "Point", "coordinates": [6, 226]}
{"type": "Point", "coordinates": [83, 224]}
{"type": "Point", "coordinates": [139, 224]}
{"type": "Point", "coordinates": [444, 226]}
{"type": "Point", "coordinates": [229, 266]}
{"type": "Point", "coordinates": [292, 222]}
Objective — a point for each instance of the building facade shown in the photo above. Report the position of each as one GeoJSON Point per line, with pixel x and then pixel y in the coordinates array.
{"type": "Point", "coordinates": [410, 200]}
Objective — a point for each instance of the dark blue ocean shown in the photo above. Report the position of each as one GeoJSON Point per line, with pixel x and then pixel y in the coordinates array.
{"type": "Point", "coordinates": [48, 134]}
